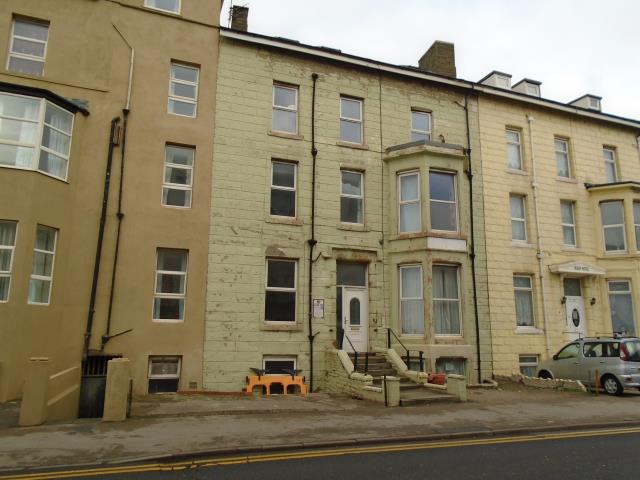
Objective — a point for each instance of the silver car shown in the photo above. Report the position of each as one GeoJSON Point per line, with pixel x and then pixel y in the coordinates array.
{"type": "Point", "coordinates": [615, 359]}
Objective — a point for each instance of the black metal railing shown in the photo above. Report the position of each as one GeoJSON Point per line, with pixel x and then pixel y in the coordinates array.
{"type": "Point", "coordinates": [390, 332]}
{"type": "Point", "coordinates": [355, 357]}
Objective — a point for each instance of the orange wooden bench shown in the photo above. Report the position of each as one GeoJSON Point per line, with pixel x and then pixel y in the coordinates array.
{"type": "Point", "coordinates": [268, 380]}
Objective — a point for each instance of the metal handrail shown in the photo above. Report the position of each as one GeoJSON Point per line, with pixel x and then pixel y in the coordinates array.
{"type": "Point", "coordinates": [355, 356]}
{"type": "Point", "coordinates": [408, 357]}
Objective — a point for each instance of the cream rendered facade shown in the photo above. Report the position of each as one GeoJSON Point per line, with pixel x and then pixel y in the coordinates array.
{"type": "Point", "coordinates": [246, 239]}
{"type": "Point", "coordinates": [88, 59]}
{"type": "Point", "coordinates": [570, 280]}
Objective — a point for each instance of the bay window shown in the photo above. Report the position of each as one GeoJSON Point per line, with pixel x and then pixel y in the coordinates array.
{"type": "Point", "coordinates": [35, 134]}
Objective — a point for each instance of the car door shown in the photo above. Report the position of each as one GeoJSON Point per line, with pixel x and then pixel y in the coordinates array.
{"type": "Point", "coordinates": [566, 364]}
{"type": "Point", "coordinates": [593, 354]}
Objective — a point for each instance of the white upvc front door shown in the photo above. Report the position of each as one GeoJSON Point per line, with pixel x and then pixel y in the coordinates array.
{"type": "Point", "coordinates": [355, 319]}
{"type": "Point", "coordinates": [576, 319]}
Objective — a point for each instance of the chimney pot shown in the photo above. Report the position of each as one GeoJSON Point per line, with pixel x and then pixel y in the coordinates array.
{"type": "Point", "coordinates": [239, 18]}
{"type": "Point", "coordinates": [440, 59]}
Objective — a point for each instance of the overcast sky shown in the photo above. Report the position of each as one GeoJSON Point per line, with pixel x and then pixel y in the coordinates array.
{"type": "Point", "coordinates": [572, 46]}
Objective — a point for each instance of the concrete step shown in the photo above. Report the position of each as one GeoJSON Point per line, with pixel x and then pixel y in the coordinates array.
{"type": "Point", "coordinates": [424, 396]}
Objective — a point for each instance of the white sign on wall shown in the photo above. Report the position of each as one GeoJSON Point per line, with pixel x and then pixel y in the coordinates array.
{"type": "Point", "coordinates": [318, 308]}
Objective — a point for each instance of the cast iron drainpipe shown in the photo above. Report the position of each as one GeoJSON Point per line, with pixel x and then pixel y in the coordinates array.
{"type": "Point", "coordinates": [312, 241]}
{"type": "Point", "coordinates": [120, 215]}
{"type": "Point", "coordinates": [103, 219]}
{"type": "Point", "coordinates": [472, 250]}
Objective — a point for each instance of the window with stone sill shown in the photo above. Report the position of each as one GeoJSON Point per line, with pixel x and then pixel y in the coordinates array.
{"type": "Point", "coordinates": [523, 293]}
{"type": "Point", "coordinates": [563, 163]}
{"type": "Point", "coordinates": [170, 285]}
{"type": "Point", "coordinates": [613, 231]}
{"type": "Point", "coordinates": [283, 189]}
{"type": "Point", "coordinates": [420, 126]}
{"type": "Point", "coordinates": [518, 218]}
{"type": "Point", "coordinates": [285, 109]}
{"type": "Point", "coordinates": [280, 296]}
{"type": "Point", "coordinates": [351, 120]}
{"type": "Point", "coordinates": [35, 134]}
{"type": "Point", "coordinates": [514, 149]}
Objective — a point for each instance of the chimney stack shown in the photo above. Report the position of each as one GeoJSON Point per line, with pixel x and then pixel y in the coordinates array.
{"type": "Point", "coordinates": [239, 18]}
{"type": "Point", "coordinates": [440, 59]}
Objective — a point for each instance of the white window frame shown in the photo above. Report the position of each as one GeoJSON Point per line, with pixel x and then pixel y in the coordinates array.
{"type": "Point", "coordinates": [564, 153]}
{"type": "Point", "coordinates": [282, 289]}
{"type": "Point", "coordinates": [613, 162]}
{"type": "Point", "coordinates": [26, 56]}
{"type": "Point", "coordinates": [177, 186]}
{"type": "Point", "coordinates": [179, 98]}
{"type": "Point", "coordinates": [46, 278]}
{"type": "Point", "coordinates": [532, 89]}
{"type": "Point", "coordinates": [279, 358]}
{"type": "Point", "coordinates": [522, 220]}
{"type": "Point", "coordinates": [524, 363]}
{"type": "Point", "coordinates": [147, 3]}
{"type": "Point", "coordinates": [528, 289]}
{"type": "Point", "coordinates": [402, 298]}
{"type": "Point", "coordinates": [182, 296]}
{"type": "Point", "coordinates": [426, 133]}
{"type": "Point", "coordinates": [353, 120]}
{"type": "Point", "coordinates": [594, 103]}
{"type": "Point", "coordinates": [283, 108]}
{"type": "Point", "coordinates": [453, 202]}
{"type": "Point", "coordinates": [636, 224]}
{"type": "Point", "coordinates": [417, 200]}
{"type": "Point", "coordinates": [458, 300]}
{"type": "Point", "coordinates": [503, 81]}
{"type": "Point", "coordinates": [615, 225]}
{"type": "Point", "coordinates": [293, 189]}
{"type": "Point", "coordinates": [348, 195]}
{"type": "Point", "coordinates": [37, 145]}
{"type": "Point", "coordinates": [628, 292]}
{"type": "Point", "coordinates": [12, 250]}
{"type": "Point", "coordinates": [519, 144]}
{"type": "Point", "coordinates": [572, 226]}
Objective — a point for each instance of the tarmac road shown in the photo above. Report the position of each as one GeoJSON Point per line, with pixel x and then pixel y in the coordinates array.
{"type": "Point", "coordinates": [583, 455]}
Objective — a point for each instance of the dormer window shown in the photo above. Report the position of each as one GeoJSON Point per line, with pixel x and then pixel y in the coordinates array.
{"type": "Point", "coordinates": [502, 81]}
{"type": "Point", "coordinates": [533, 90]}
{"type": "Point", "coordinates": [594, 103]}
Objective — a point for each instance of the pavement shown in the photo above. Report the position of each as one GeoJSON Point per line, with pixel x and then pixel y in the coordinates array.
{"type": "Point", "coordinates": [170, 427]}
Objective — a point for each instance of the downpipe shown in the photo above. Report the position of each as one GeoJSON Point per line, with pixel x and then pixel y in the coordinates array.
{"type": "Point", "coordinates": [312, 241]}
{"type": "Point", "coordinates": [539, 250]}
{"type": "Point", "coordinates": [103, 220]}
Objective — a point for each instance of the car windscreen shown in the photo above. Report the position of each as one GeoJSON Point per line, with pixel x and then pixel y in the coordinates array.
{"type": "Point", "coordinates": [633, 350]}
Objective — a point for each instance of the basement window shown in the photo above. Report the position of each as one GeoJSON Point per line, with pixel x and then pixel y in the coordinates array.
{"type": "Point", "coordinates": [528, 365]}
{"type": "Point", "coordinates": [450, 366]}
{"type": "Point", "coordinates": [278, 365]}
{"type": "Point", "coordinates": [164, 374]}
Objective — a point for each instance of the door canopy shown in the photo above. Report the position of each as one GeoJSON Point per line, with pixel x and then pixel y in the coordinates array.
{"type": "Point", "coordinates": [577, 269]}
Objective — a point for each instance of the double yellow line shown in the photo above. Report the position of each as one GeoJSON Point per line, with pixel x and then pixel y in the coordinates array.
{"type": "Point", "coordinates": [273, 457]}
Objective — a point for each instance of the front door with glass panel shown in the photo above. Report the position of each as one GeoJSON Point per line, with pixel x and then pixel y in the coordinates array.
{"type": "Point", "coordinates": [355, 319]}
{"type": "Point", "coordinates": [576, 321]}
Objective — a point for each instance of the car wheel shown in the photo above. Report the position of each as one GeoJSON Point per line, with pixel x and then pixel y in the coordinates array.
{"type": "Point", "coordinates": [544, 374]}
{"type": "Point", "coordinates": [611, 385]}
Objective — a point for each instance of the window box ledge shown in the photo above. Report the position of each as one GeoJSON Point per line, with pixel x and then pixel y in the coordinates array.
{"type": "Point", "coordinates": [523, 330]}
{"type": "Point", "coordinates": [522, 244]}
{"type": "Point", "coordinates": [352, 227]}
{"type": "Point", "coordinates": [290, 136]}
{"type": "Point", "coordinates": [284, 327]}
{"type": "Point", "coordinates": [284, 220]}
{"type": "Point", "coordinates": [513, 171]}
{"type": "Point", "coordinates": [567, 180]}
{"type": "Point", "coordinates": [357, 146]}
